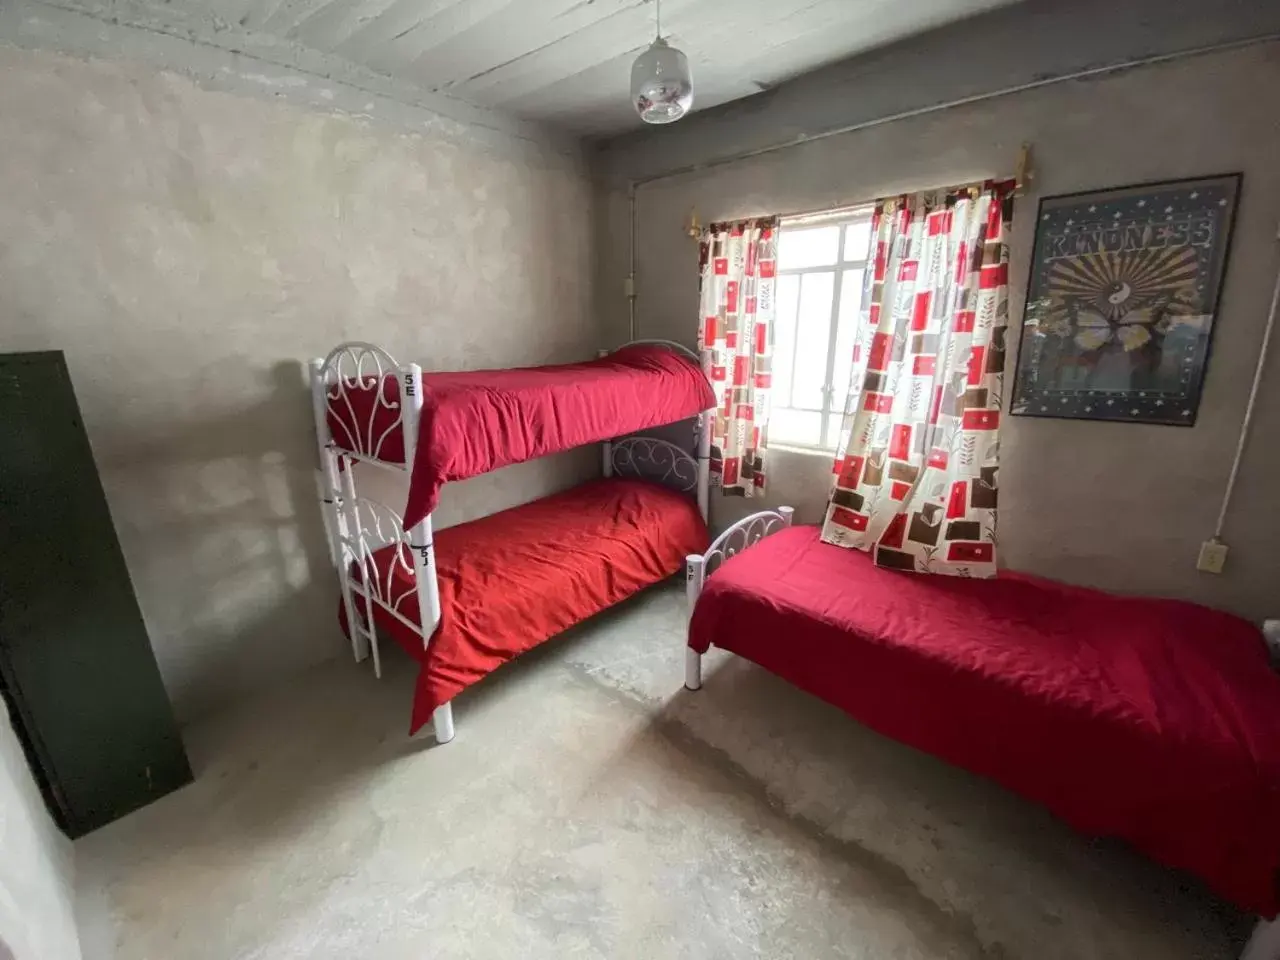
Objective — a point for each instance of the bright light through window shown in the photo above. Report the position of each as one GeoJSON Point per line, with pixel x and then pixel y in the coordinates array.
{"type": "Point", "coordinates": [820, 271]}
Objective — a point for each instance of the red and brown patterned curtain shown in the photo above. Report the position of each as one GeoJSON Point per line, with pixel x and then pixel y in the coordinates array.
{"type": "Point", "coordinates": [916, 477]}
{"type": "Point", "coordinates": [736, 343]}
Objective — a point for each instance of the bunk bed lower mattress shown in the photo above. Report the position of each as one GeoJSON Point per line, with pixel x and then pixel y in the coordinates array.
{"type": "Point", "coordinates": [514, 579]}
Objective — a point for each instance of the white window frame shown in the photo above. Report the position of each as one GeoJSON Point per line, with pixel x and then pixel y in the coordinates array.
{"type": "Point", "coordinates": [832, 406]}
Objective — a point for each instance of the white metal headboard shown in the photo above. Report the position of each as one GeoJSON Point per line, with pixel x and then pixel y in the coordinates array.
{"type": "Point", "coordinates": [745, 533]}
{"type": "Point", "coordinates": [373, 526]}
{"type": "Point", "coordinates": [698, 566]}
{"type": "Point", "coordinates": [679, 348]}
{"type": "Point", "coordinates": [363, 368]}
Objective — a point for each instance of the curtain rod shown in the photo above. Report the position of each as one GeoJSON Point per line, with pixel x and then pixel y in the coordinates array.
{"type": "Point", "coordinates": [846, 208]}
{"type": "Point", "coordinates": [959, 102]}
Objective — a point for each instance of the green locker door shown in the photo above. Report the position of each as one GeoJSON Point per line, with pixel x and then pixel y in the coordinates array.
{"type": "Point", "coordinates": [75, 661]}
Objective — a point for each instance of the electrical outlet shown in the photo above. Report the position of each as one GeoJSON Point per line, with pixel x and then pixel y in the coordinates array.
{"type": "Point", "coordinates": [1213, 556]}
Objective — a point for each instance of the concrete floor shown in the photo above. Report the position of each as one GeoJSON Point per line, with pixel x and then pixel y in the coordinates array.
{"type": "Point", "coordinates": [591, 807]}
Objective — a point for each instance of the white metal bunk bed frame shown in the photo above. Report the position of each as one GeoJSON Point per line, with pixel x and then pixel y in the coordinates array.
{"type": "Point", "coordinates": [356, 526]}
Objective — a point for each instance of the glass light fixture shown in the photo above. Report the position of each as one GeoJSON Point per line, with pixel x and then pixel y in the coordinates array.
{"type": "Point", "coordinates": [661, 82]}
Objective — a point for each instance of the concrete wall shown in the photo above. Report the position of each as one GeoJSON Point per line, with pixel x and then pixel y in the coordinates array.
{"type": "Point", "coordinates": [1029, 42]}
{"type": "Point", "coordinates": [36, 868]}
{"type": "Point", "coordinates": [188, 247]}
{"type": "Point", "coordinates": [1118, 505]}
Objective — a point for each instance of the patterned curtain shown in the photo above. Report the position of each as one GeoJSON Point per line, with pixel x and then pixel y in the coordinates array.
{"type": "Point", "coordinates": [916, 480]}
{"type": "Point", "coordinates": [736, 343]}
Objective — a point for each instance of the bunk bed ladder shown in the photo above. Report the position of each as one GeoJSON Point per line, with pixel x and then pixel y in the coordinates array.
{"type": "Point", "coordinates": [355, 540]}
{"type": "Point", "coordinates": [331, 509]}
{"type": "Point", "coordinates": [421, 546]}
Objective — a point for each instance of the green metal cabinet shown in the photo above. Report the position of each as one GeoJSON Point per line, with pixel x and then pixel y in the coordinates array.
{"type": "Point", "coordinates": [76, 665]}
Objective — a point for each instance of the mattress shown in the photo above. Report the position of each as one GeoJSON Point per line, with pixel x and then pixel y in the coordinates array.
{"type": "Point", "coordinates": [1154, 721]}
{"type": "Point", "coordinates": [514, 579]}
{"type": "Point", "coordinates": [481, 420]}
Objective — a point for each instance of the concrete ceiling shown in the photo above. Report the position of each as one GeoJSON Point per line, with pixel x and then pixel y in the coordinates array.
{"type": "Point", "coordinates": [567, 62]}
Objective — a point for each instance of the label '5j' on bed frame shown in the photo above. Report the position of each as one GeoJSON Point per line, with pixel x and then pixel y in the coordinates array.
{"type": "Point", "coordinates": [356, 527]}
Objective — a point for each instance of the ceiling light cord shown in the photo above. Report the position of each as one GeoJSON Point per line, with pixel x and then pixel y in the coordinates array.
{"type": "Point", "coordinates": [657, 16]}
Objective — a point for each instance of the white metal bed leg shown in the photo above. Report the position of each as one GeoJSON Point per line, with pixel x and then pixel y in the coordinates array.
{"type": "Point", "coordinates": [1265, 942]}
{"type": "Point", "coordinates": [331, 508]}
{"type": "Point", "coordinates": [692, 669]}
{"type": "Point", "coordinates": [442, 722]}
{"type": "Point", "coordinates": [368, 639]}
{"type": "Point", "coordinates": [704, 464]}
{"type": "Point", "coordinates": [695, 573]}
{"type": "Point", "coordinates": [420, 535]}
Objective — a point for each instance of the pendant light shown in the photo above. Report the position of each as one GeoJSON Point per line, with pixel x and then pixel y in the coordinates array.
{"type": "Point", "coordinates": [661, 82]}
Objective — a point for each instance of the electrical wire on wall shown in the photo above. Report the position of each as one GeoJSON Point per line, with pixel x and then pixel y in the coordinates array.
{"type": "Point", "coordinates": [638, 182]}
{"type": "Point", "coordinates": [1248, 411]}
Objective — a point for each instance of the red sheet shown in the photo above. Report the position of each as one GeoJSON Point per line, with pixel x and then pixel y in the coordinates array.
{"type": "Point", "coordinates": [1155, 721]}
{"type": "Point", "coordinates": [480, 420]}
{"type": "Point", "coordinates": [511, 580]}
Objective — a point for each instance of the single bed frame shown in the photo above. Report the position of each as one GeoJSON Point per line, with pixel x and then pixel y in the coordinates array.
{"type": "Point", "coordinates": [1264, 944]}
{"type": "Point", "coordinates": [357, 526]}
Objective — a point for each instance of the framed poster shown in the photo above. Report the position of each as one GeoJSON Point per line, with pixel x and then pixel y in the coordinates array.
{"type": "Point", "coordinates": [1121, 301]}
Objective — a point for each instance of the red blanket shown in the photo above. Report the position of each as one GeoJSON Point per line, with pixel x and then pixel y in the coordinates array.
{"type": "Point", "coordinates": [480, 420]}
{"type": "Point", "coordinates": [514, 579]}
{"type": "Point", "coordinates": [1155, 721]}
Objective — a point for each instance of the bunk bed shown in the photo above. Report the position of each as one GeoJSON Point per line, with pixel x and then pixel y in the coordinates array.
{"type": "Point", "coordinates": [466, 599]}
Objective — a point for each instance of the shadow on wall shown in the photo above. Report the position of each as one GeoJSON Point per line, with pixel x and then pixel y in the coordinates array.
{"type": "Point", "coordinates": [220, 525]}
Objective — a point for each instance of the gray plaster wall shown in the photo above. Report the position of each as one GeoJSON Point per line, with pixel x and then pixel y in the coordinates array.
{"type": "Point", "coordinates": [1121, 506]}
{"type": "Point", "coordinates": [189, 247]}
{"type": "Point", "coordinates": [1033, 41]}
{"type": "Point", "coordinates": [37, 869]}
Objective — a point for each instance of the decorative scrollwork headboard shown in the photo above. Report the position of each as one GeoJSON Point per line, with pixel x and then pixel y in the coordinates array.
{"type": "Point", "coordinates": [745, 533]}
{"type": "Point", "coordinates": [362, 395]}
{"type": "Point", "coordinates": [375, 526]}
{"type": "Point", "coordinates": [648, 458]}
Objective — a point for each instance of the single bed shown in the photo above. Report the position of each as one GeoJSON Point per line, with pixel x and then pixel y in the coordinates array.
{"type": "Point", "coordinates": [499, 595]}
{"type": "Point", "coordinates": [1155, 721]}
{"type": "Point", "coordinates": [467, 599]}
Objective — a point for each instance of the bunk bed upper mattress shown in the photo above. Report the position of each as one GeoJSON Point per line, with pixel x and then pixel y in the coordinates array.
{"type": "Point", "coordinates": [480, 420]}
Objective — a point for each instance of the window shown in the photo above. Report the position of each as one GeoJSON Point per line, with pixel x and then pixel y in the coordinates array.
{"type": "Point", "coordinates": [820, 269]}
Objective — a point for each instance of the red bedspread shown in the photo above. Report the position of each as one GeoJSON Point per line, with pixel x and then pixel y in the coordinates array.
{"type": "Point", "coordinates": [1155, 721]}
{"type": "Point", "coordinates": [480, 420]}
{"type": "Point", "coordinates": [511, 580]}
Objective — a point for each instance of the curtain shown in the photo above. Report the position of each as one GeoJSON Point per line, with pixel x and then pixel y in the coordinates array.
{"type": "Point", "coordinates": [916, 474]}
{"type": "Point", "coordinates": [737, 266]}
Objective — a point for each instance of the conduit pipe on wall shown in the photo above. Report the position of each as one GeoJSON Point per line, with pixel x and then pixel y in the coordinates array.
{"type": "Point", "coordinates": [1249, 407]}
{"type": "Point", "coordinates": [635, 184]}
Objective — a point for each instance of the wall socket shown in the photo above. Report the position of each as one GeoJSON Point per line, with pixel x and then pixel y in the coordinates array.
{"type": "Point", "coordinates": [1213, 556]}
